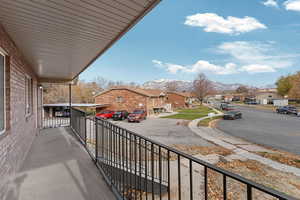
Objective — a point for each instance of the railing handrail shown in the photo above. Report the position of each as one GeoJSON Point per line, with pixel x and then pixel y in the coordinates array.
{"type": "Point", "coordinates": [237, 177]}
{"type": "Point", "coordinates": [76, 109]}
{"type": "Point", "coordinates": [203, 163]}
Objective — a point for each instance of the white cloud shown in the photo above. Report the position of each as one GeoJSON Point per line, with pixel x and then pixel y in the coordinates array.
{"type": "Point", "coordinates": [157, 62]}
{"type": "Point", "coordinates": [256, 53]}
{"type": "Point", "coordinates": [293, 5]}
{"type": "Point", "coordinates": [200, 66]}
{"type": "Point", "coordinates": [242, 56]}
{"type": "Point", "coordinates": [256, 68]}
{"type": "Point", "coordinates": [212, 22]}
{"type": "Point", "coordinates": [270, 3]}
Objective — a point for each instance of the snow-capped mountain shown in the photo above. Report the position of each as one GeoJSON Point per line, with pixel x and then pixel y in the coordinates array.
{"type": "Point", "coordinates": [185, 85]}
{"type": "Point", "coordinates": [162, 84]}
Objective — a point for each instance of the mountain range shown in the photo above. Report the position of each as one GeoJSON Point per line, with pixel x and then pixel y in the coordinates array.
{"type": "Point", "coordinates": [187, 85]}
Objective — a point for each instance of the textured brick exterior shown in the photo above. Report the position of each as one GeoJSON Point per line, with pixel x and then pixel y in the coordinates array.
{"type": "Point", "coordinates": [20, 130]}
{"type": "Point", "coordinates": [130, 101]}
{"type": "Point", "coordinates": [177, 101]}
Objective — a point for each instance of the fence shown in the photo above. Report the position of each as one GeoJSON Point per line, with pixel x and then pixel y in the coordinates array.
{"type": "Point", "coordinates": [139, 168]}
{"type": "Point", "coordinates": [54, 122]}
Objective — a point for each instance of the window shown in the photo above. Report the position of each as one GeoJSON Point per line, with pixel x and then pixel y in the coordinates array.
{"type": "Point", "coordinates": [2, 93]}
{"type": "Point", "coordinates": [119, 99]}
{"type": "Point", "coordinates": [28, 95]}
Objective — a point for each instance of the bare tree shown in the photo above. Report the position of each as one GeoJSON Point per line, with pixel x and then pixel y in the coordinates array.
{"type": "Point", "coordinates": [202, 87]}
{"type": "Point", "coordinates": [101, 82]}
{"type": "Point", "coordinates": [82, 92]}
{"type": "Point", "coordinates": [171, 86]}
{"type": "Point", "coordinates": [242, 89]}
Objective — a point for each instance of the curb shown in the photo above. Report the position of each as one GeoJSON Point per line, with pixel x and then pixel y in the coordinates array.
{"type": "Point", "coordinates": [211, 135]}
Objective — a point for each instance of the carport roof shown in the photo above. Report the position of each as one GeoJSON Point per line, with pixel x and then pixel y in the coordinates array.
{"type": "Point", "coordinates": [59, 39]}
{"type": "Point", "coordinates": [76, 105]}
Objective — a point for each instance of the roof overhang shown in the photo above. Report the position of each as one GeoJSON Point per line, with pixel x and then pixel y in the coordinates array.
{"type": "Point", "coordinates": [60, 39]}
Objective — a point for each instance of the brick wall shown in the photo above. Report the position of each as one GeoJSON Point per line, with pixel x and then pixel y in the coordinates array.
{"type": "Point", "coordinates": [130, 100]}
{"type": "Point", "coordinates": [20, 130]}
{"type": "Point", "coordinates": [155, 103]}
{"type": "Point", "coordinates": [176, 100]}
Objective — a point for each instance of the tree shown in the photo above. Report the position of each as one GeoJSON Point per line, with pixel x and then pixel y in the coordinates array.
{"type": "Point", "coordinates": [82, 92]}
{"type": "Point", "coordinates": [101, 82]}
{"type": "Point", "coordinates": [55, 93]}
{"type": "Point", "coordinates": [284, 85]}
{"type": "Point", "coordinates": [171, 86]}
{"type": "Point", "coordinates": [202, 87]}
{"type": "Point", "coordinates": [294, 92]}
{"type": "Point", "coordinates": [242, 89]}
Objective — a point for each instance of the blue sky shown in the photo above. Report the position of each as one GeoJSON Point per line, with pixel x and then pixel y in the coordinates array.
{"type": "Point", "coordinates": [232, 41]}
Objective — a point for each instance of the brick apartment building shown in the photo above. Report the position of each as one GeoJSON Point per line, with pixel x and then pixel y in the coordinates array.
{"type": "Point", "coordinates": [180, 99]}
{"type": "Point", "coordinates": [20, 99]}
{"type": "Point", "coordinates": [125, 98]}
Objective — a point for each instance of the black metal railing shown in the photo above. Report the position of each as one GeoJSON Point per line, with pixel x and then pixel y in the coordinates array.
{"type": "Point", "coordinates": [54, 122]}
{"type": "Point", "coordinates": [78, 123]}
{"type": "Point", "coordinates": [139, 168]}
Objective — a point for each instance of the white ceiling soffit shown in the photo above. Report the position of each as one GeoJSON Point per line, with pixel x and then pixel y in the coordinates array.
{"type": "Point", "coordinates": [60, 38]}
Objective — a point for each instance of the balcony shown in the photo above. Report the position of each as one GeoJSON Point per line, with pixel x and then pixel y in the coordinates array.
{"type": "Point", "coordinates": [57, 167]}
{"type": "Point", "coordinates": [133, 167]}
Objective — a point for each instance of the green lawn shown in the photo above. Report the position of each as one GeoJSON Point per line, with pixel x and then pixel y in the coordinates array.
{"type": "Point", "coordinates": [191, 113]}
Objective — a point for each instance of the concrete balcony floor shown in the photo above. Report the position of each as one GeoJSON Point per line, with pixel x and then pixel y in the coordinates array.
{"type": "Point", "coordinates": [58, 168]}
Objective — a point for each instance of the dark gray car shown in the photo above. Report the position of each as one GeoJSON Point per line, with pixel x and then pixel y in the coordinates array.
{"type": "Point", "coordinates": [232, 115]}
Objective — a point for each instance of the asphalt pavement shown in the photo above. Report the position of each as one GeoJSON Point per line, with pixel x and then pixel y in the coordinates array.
{"type": "Point", "coordinates": [166, 131]}
{"type": "Point", "coordinates": [265, 127]}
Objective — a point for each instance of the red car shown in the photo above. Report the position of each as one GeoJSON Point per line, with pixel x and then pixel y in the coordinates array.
{"type": "Point", "coordinates": [137, 116]}
{"type": "Point", "coordinates": [107, 114]}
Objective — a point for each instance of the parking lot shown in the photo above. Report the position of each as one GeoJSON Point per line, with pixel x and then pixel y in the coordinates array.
{"type": "Point", "coordinates": [265, 127]}
{"type": "Point", "coordinates": [166, 131]}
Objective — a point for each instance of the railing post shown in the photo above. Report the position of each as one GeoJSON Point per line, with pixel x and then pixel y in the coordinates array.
{"type": "Point", "coordinates": [84, 118]}
{"type": "Point", "coordinates": [70, 103]}
{"type": "Point", "coordinates": [96, 147]}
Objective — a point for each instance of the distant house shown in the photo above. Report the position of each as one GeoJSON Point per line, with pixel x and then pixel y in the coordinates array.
{"type": "Point", "coordinates": [267, 96]}
{"type": "Point", "coordinates": [127, 98]}
{"type": "Point", "coordinates": [180, 99]}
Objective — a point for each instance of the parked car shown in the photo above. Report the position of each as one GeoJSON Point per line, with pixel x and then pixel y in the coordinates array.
{"type": "Point", "coordinates": [251, 102]}
{"type": "Point", "coordinates": [62, 114]}
{"type": "Point", "coordinates": [226, 107]}
{"type": "Point", "coordinates": [236, 99]}
{"type": "Point", "coordinates": [120, 115]}
{"type": "Point", "coordinates": [233, 115]}
{"type": "Point", "coordinates": [107, 114]}
{"type": "Point", "coordinates": [137, 116]}
{"type": "Point", "coordinates": [287, 110]}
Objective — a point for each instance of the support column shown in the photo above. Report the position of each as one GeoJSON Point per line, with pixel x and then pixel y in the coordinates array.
{"type": "Point", "coordinates": [70, 102]}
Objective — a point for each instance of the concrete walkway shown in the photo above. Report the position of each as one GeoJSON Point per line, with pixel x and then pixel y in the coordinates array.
{"type": "Point", "coordinates": [163, 114]}
{"type": "Point", "coordinates": [58, 168]}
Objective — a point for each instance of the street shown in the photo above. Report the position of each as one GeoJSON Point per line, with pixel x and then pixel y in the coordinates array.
{"type": "Point", "coordinates": [265, 127]}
